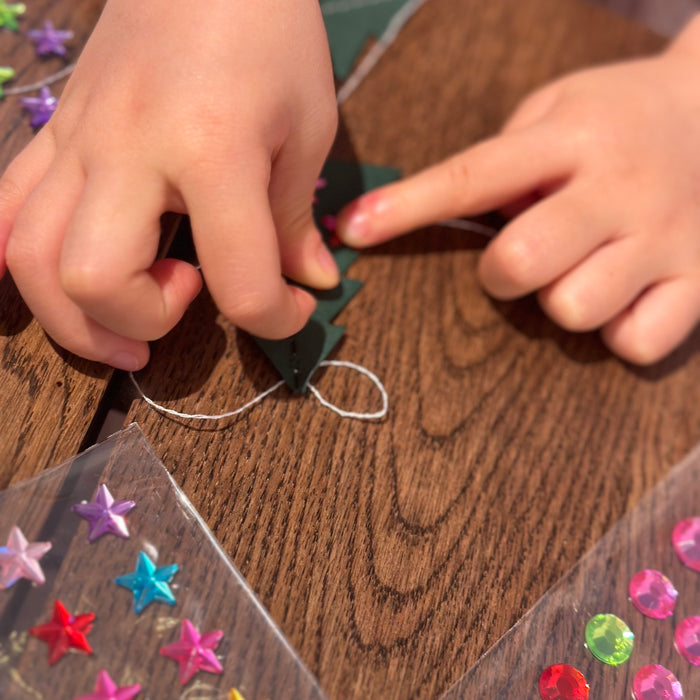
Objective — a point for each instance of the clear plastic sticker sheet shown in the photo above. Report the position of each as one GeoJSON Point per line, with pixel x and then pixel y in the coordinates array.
{"type": "Point", "coordinates": [607, 607]}
{"type": "Point", "coordinates": [138, 599]}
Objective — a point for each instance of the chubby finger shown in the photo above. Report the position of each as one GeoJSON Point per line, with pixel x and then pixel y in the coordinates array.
{"type": "Point", "coordinates": [33, 255]}
{"type": "Point", "coordinates": [541, 244]}
{"type": "Point", "coordinates": [236, 242]}
{"type": "Point", "coordinates": [486, 176]}
{"type": "Point", "coordinates": [304, 257]}
{"type": "Point", "coordinates": [18, 181]}
{"type": "Point", "coordinates": [107, 263]}
{"type": "Point", "coordinates": [601, 286]}
{"type": "Point", "coordinates": [658, 321]}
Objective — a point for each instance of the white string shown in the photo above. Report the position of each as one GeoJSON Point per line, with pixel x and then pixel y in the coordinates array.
{"type": "Point", "coordinates": [378, 49]}
{"type": "Point", "coordinates": [324, 402]}
{"type": "Point", "coordinates": [351, 414]}
{"type": "Point", "coordinates": [21, 89]}
{"type": "Point", "coordinates": [473, 226]}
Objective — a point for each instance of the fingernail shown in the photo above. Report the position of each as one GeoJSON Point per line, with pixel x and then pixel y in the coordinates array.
{"type": "Point", "coordinates": [125, 361]}
{"type": "Point", "coordinates": [326, 260]}
{"type": "Point", "coordinates": [354, 225]}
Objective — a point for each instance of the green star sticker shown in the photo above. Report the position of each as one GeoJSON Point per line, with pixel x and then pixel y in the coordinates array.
{"type": "Point", "coordinates": [6, 73]}
{"type": "Point", "coordinates": [9, 14]}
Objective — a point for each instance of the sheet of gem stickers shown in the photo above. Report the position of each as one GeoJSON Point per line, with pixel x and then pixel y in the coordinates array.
{"type": "Point", "coordinates": [623, 623]}
{"type": "Point", "coordinates": [112, 588]}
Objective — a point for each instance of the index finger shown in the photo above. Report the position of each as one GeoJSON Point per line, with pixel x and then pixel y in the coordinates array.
{"type": "Point", "coordinates": [236, 242]}
{"type": "Point", "coordinates": [486, 176]}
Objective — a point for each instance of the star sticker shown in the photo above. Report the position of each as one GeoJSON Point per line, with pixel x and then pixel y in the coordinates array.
{"type": "Point", "coordinates": [20, 559]}
{"type": "Point", "coordinates": [64, 632]}
{"type": "Point", "coordinates": [6, 74]}
{"type": "Point", "coordinates": [40, 108]}
{"type": "Point", "coordinates": [49, 40]}
{"type": "Point", "coordinates": [104, 514]}
{"type": "Point", "coordinates": [149, 583]}
{"type": "Point", "coordinates": [106, 689]}
{"type": "Point", "coordinates": [9, 14]}
{"type": "Point", "coordinates": [194, 651]}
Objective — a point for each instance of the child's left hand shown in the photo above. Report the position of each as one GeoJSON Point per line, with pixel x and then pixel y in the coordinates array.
{"type": "Point", "coordinates": [602, 172]}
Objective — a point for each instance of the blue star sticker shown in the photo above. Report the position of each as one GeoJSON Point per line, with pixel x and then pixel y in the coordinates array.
{"type": "Point", "coordinates": [149, 583]}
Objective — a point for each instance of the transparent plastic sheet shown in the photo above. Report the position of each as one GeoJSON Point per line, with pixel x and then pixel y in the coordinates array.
{"type": "Point", "coordinates": [256, 659]}
{"type": "Point", "coordinates": [553, 630]}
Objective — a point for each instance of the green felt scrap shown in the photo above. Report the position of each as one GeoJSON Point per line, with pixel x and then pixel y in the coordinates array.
{"type": "Point", "coordinates": [349, 23]}
{"type": "Point", "coordinates": [297, 357]}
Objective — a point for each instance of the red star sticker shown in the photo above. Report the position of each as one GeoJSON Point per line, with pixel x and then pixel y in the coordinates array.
{"type": "Point", "coordinates": [64, 631]}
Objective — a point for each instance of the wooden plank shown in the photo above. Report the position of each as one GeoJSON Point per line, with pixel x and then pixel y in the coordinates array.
{"type": "Point", "coordinates": [48, 397]}
{"type": "Point", "coordinates": [394, 554]}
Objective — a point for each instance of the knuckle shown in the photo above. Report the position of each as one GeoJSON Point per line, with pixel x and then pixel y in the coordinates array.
{"type": "Point", "coordinates": [248, 310]}
{"type": "Point", "coordinates": [459, 175]}
{"type": "Point", "coordinates": [514, 261]}
{"type": "Point", "coordinates": [88, 282]}
{"type": "Point", "coordinates": [12, 195]}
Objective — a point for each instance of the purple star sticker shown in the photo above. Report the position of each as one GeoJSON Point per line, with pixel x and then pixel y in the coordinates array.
{"type": "Point", "coordinates": [20, 559]}
{"type": "Point", "coordinates": [49, 40]}
{"type": "Point", "coordinates": [104, 514]}
{"type": "Point", "coordinates": [107, 689]}
{"type": "Point", "coordinates": [194, 651]}
{"type": "Point", "coordinates": [40, 108]}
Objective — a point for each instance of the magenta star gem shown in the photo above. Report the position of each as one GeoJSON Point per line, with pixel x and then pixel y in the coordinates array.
{"type": "Point", "coordinates": [194, 651]}
{"type": "Point", "coordinates": [654, 682]}
{"type": "Point", "coordinates": [40, 108]}
{"type": "Point", "coordinates": [20, 559]}
{"type": "Point", "coordinates": [107, 689]}
{"type": "Point", "coordinates": [686, 542]}
{"type": "Point", "coordinates": [104, 514]}
{"type": "Point", "coordinates": [49, 40]}
{"type": "Point", "coordinates": [687, 638]}
{"type": "Point", "coordinates": [653, 594]}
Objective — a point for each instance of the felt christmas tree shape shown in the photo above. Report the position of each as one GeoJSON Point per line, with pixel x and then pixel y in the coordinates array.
{"type": "Point", "coordinates": [297, 357]}
{"type": "Point", "coordinates": [349, 23]}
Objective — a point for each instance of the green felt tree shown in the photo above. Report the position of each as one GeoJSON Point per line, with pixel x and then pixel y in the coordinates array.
{"type": "Point", "coordinates": [297, 357]}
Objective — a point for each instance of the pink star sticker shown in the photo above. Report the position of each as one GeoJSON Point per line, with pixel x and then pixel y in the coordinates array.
{"type": "Point", "coordinates": [194, 651]}
{"type": "Point", "coordinates": [20, 559]}
{"type": "Point", "coordinates": [106, 689]}
{"type": "Point", "coordinates": [105, 514]}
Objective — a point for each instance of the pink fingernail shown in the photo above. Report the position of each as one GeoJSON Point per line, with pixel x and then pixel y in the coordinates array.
{"type": "Point", "coordinates": [355, 223]}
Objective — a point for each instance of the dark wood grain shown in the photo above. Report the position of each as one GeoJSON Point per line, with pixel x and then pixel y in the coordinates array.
{"type": "Point", "coordinates": [394, 554]}
{"type": "Point", "coordinates": [48, 398]}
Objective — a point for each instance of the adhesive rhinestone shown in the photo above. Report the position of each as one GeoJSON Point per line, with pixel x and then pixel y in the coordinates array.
{"type": "Point", "coordinates": [609, 639]}
{"type": "Point", "coordinates": [654, 682]}
{"type": "Point", "coordinates": [563, 682]}
{"type": "Point", "coordinates": [687, 638]}
{"type": "Point", "coordinates": [653, 594]}
{"type": "Point", "coordinates": [686, 542]}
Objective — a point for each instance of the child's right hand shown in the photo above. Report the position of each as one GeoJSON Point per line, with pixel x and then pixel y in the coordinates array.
{"type": "Point", "coordinates": [225, 111]}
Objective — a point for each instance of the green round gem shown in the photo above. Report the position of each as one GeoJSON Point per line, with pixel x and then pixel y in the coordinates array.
{"type": "Point", "coordinates": [609, 639]}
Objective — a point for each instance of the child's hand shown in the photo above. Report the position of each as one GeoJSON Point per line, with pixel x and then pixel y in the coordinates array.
{"type": "Point", "coordinates": [602, 171]}
{"type": "Point", "coordinates": [225, 110]}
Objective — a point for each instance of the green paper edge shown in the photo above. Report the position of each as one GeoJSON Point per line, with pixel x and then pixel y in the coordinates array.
{"type": "Point", "coordinates": [296, 358]}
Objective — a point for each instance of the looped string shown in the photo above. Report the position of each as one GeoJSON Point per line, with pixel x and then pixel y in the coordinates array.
{"type": "Point", "coordinates": [324, 402]}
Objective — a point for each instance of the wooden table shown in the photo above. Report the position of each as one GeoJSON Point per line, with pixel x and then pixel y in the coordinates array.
{"type": "Point", "coordinates": [392, 554]}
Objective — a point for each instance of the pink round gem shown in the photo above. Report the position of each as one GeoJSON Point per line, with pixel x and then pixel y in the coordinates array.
{"type": "Point", "coordinates": [686, 542]}
{"type": "Point", "coordinates": [563, 682]}
{"type": "Point", "coordinates": [653, 594]}
{"type": "Point", "coordinates": [654, 682]}
{"type": "Point", "coordinates": [687, 638]}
